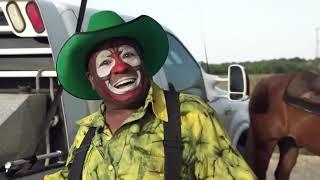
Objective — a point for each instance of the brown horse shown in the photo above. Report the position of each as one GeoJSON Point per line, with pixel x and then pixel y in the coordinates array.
{"type": "Point", "coordinates": [274, 122]}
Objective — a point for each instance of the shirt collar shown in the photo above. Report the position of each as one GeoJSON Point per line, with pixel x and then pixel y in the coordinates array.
{"type": "Point", "coordinates": [155, 97]}
{"type": "Point", "coordinates": [158, 102]}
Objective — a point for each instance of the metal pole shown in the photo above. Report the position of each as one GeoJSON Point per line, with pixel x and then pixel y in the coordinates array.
{"type": "Point", "coordinates": [205, 52]}
{"type": "Point", "coordinates": [203, 34]}
{"type": "Point", "coordinates": [82, 10]}
{"type": "Point", "coordinates": [317, 43]}
{"type": "Point", "coordinates": [10, 164]}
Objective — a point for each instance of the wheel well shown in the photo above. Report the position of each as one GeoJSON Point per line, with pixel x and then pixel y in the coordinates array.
{"type": "Point", "coordinates": [243, 138]}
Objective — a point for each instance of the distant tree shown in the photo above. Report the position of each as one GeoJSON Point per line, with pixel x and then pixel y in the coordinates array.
{"type": "Point", "coordinates": [281, 65]}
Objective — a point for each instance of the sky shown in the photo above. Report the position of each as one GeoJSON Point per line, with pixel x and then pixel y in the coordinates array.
{"type": "Point", "coordinates": [232, 31]}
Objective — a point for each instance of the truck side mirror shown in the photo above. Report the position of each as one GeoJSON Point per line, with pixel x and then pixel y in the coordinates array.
{"type": "Point", "coordinates": [237, 84]}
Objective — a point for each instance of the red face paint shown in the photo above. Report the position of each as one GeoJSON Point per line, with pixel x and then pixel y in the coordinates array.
{"type": "Point", "coordinates": [107, 94]}
{"type": "Point", "coordinates": [120, 66]}
{"type": "Point", "coordinates": [124, 82]}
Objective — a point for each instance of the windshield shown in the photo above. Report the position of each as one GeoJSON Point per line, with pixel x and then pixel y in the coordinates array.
{"type": "Point", "coordinates": [181, 69]}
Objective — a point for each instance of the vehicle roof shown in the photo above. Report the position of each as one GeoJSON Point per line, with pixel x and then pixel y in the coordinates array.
{"type": "Point", "coordinates": [90, 11]}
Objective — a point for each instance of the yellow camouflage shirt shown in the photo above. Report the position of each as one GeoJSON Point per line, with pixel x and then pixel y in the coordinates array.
{"type": "Point", "coordinates": [136, 150]}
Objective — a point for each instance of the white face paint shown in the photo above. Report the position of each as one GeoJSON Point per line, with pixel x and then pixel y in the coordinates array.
{"type": "Point", "coordinates": [129, 55]}
{"type": "Point", "coordinates": [135, 83]}
{"type": "Point", "coordinates": [104, 63]}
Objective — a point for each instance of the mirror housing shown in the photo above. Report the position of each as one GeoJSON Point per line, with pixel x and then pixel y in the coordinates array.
{"type": "Point", "coordinates": [238, 88]}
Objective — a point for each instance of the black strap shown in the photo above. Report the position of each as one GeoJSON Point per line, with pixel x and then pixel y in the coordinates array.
{"type": "Point", "coordinates": [55, 104]}
{"type": "Point", "coordinates": [81, 15]}
{"type": "Point", "coordinates": [75, 172]}
{"type": "Point", "coordinates": [172, 142]}
{"type": "Point", "coordinates": [52, 111]}
{"type": "Point", "coordinates": [172, 137]}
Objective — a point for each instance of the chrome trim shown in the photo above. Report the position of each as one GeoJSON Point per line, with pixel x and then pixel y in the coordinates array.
{"type": "Point", "coordinates": [27, 74]}
{"type": "Point", "coordinates": [25, 51]}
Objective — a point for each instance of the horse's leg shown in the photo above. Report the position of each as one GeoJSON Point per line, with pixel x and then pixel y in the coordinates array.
{"type": "Point", "coordinates": [262, 157]}
{"type": "Point", "coordinates": [289, 152]}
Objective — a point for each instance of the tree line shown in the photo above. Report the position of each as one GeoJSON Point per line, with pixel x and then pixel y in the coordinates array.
{"type": "Point", "coordinates": [282, 65]}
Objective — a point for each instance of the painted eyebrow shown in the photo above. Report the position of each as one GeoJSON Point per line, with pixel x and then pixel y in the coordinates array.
{"type": "Point", "coordinates": [125, 47]}
{"type": "Point", "coordinates": [110, 54]}
{"type": "Point", "coordinates": [101, 60]}
{"type": "Point", "coordinates": [110, 51]}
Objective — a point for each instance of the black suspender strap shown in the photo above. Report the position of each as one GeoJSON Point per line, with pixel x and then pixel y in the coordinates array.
{"type": "Point", "coordinates": [82, 10]}
{"type": "Point", "coordinates": [172, 143]}
{"type": "Point", "coordinates": [172, 137]}
{"type": "Point", "coordinates": [75, 172]}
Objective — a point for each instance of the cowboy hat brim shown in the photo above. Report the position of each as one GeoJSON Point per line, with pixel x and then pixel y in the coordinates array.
{"type": "Point", "coordinates": [73, 59]}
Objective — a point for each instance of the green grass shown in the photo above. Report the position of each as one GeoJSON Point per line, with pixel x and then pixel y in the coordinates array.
{"type": "Point", "coordinates": [253, 78]}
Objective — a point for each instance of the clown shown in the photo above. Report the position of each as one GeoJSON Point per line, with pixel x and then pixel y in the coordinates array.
{"type": "Point", "coordinates": [117, 73]}
{"type": "Point", "coordinates": [127, 138]}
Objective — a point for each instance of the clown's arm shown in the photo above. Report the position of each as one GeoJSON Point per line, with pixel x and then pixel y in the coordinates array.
{"type": "Point", "coordinates": [214, 156]}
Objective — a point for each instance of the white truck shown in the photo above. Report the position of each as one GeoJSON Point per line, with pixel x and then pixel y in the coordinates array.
{"type": "Point", "coordinates": [37, 126]}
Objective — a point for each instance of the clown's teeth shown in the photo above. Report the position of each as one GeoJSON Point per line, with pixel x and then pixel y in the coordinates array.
{"type": "Point", "coordinates": [119, 83]}
{"type": "Point", "coordinates": [124, 79]}
{"type": "Point", "coordinates": [125, 89]}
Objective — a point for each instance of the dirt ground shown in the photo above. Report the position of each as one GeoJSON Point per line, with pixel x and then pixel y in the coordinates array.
{"type": "Point", "coordinates": [307, 168]}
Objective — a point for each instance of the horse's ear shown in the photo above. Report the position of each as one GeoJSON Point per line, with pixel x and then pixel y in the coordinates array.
{"type": "Point", "coordinates": [238, 82]}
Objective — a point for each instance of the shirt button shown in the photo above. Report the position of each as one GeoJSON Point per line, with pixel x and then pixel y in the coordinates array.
{"type": "Point", "coordinates": [135, 128]}
{"type": "Point", "coordinates": [108, 138]}
{"type": "Point", "coordinates": [110, 167]}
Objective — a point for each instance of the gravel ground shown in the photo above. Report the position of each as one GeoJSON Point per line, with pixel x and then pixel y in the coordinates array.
{"type": "Point", "coordinates": [307, 168]}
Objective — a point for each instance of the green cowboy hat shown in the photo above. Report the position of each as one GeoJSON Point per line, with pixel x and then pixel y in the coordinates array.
{"type": "Point", "coordinates": [73, 57]}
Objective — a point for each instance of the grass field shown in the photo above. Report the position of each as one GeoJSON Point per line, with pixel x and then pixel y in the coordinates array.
{"type": "Point", "coordinates": [253, 78]}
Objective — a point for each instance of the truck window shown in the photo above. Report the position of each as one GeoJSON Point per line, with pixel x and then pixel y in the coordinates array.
{"type": "Point", "coordinates": [181, 69]}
